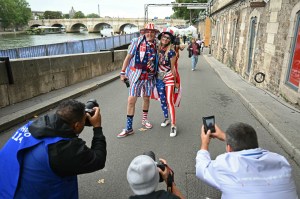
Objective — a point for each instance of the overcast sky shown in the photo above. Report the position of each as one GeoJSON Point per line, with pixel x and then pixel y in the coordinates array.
{"type": "Point", "coordinates": [111, 8]}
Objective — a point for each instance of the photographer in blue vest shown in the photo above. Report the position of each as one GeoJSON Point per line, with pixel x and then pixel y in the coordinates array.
{"type": "Point", "coordinates": [43, 158]}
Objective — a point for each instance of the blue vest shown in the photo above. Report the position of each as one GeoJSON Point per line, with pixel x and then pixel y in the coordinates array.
{"type": "Point", "coordinates": [26, 172]}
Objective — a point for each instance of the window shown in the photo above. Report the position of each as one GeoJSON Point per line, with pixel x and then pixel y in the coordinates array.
{"type": "Point", "coordinates": [293, 77]}
{"type": "Point", "coordinates": [233, 33]}
{"type": "Point", "coordinates": [251, 43]}
{"type": "Point", "coordinates": [223, 33]}
{"type": "Point", "coordinates": [217, 32]}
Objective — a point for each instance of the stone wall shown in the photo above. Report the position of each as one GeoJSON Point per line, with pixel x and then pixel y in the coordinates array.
{"type": "Point", "coordinates": [272, 43]}
{"type": "Point", "coordinates": [33, 77]}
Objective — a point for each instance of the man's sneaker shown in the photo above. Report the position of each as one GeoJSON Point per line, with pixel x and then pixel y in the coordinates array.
{"type": "Point", "coordinates": [125, 133]}
{"type": "Point", "coordinates": [165, 123]}
{"type": "Point", "coordinates": [173, 131]}
{"type": "Point", "coordinates": [147, 124]}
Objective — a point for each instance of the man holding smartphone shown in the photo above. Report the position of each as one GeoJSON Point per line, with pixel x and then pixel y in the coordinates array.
{"type": "Point", "coordinates": [245, 171]}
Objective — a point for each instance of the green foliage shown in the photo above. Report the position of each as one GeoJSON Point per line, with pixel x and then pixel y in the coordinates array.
{"type": "Point", "coordinates": [93, 15]}
{"type": "Point", "coordinates": [52, 15]}
{"type": "Point", "coordinates": [184, 13]}
{"type": "Point", "coordinates": [79, 15]}
{"type": "Point", "coordinates": [66, 16]}
{"type": "Point", "coordinates": [14, 13]}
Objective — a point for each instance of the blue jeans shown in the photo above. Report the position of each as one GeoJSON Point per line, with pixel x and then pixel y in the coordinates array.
{"type": "Point", "coordinates": [194, 61]}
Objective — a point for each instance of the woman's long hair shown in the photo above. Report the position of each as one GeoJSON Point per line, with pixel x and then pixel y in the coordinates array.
{"type": "Point", "coordinates": [167, 48]}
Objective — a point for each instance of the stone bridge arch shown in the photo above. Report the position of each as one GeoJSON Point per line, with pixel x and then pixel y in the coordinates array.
{"type": "Point", "coordinates": [99, 27]}
{"type": "Point", "coordinates": [76, 27]}
{"type": "Point", "coordinates": [127, 26]}
{"type": "Point", "coordinates": [35, 25]}
{"type": "Point", "coordinates": [57, 25]}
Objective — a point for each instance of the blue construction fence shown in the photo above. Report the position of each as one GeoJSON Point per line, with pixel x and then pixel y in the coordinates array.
{"type": "Point", "coordinates": [72, 47]}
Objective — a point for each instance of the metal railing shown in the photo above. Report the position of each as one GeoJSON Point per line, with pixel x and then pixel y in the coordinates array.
{"type": "Point", "coordinates": [72, 47]}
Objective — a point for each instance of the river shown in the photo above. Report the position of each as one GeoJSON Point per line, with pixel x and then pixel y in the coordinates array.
{"type": "Point", "coordinates": [9, 41]}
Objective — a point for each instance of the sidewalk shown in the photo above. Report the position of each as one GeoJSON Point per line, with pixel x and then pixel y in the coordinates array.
{"type": "Point", "coordinates": [279, 118]}
{"type": "Point", "coordinates": [17, 113]}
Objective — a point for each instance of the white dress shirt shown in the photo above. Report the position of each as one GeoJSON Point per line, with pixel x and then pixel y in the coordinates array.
{"type": "Point", "coordinates": [247, 174]}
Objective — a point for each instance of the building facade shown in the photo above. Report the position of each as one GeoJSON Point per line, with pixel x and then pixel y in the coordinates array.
{"type": "Point", "coordinates": [36, 15]}
{"type": "Point", "coordinates": [260, 40]}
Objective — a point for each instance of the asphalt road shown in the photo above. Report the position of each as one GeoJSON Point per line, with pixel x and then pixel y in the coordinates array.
{"type": "Point", "coordinates": [204, 94]}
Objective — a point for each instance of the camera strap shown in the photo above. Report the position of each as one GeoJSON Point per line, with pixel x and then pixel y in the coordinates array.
{"type": "Point", "coordinates": [170, 180]}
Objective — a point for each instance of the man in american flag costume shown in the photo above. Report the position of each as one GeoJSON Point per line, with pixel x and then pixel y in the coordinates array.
{"type": "Point", "coordinates": [139, 69]}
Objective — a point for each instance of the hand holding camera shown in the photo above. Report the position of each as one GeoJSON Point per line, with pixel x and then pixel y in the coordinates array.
{"type": "Point", "coordinates": [93, 113]}
{"type": "Point", "coordinates": [165, 172]}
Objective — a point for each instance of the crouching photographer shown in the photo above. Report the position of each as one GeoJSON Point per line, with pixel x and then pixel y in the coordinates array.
{"type": "Point", "coordinates": [43, 158]}
{"type": "Point", "coordinates": [144, 175]}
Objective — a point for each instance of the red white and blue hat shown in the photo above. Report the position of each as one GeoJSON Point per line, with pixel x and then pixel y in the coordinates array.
{"type": "Point", "coordinates": [149, 26]}
{"type": "Point", "coordinates": [167, 31]}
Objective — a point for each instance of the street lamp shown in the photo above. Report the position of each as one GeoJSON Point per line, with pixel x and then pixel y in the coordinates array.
{"type": "Point", "coordinates": [190, 16]}
{"type": "Point", "coordinates": [99, 10]}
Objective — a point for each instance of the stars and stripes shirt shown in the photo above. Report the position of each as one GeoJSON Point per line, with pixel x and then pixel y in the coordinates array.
{"type": "Point", "coordinates": [165, 66]}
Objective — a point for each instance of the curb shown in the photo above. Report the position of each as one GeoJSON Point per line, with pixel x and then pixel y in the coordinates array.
{"type": "Point", "coordinates": [286, 144]}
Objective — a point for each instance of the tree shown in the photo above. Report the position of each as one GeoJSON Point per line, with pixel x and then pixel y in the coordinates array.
{"type": "Point", "coordinates": [14, 13]}
{"type": "Point", "coordinates": [66, 16]}
{"type": "Point", "coordinates": [52, 15]}
{"type": "Point", "coordinates": [93, 15]}
{"type": "Point", "coordinates": [79, 15]}
{"type": "Point", "coordinates": [183, 12]}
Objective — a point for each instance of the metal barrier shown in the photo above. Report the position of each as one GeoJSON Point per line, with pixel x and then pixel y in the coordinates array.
{"type": "Point", "coordinates": [72, 47]}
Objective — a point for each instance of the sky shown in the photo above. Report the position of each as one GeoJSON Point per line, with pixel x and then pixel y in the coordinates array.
{"type": "Point", "coordinates": [111, 8]}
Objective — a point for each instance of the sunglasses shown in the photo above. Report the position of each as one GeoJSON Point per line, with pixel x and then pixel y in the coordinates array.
{"type": "Point", "coordinates": [149, 31]}
{"type": "Point", "coordinates": [165, 37]}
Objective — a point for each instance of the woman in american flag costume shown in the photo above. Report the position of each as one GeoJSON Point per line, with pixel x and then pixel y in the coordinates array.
{"type": "Point", "coordinates": [166, 78]}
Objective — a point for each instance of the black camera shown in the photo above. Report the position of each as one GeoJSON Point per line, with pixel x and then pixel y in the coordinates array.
{"type": "Point", "coordinates": [89, 109]}
{"type": "Point", "coordinates": [209, 124]}
{"type": "Point", "coordinates": [126, 81]}
{"type": "Point", "coordinates": [159, 164]}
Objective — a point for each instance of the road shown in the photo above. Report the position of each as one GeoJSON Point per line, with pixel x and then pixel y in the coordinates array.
{"type": "Point", "coordinates": [204, 94]}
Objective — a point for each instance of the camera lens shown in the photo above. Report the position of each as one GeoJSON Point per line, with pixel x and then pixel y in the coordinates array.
{"type": "Point", "coordinates": [89, 109]}
{"type": "Point", "coordinates": [91, 104]}
{"type": "Point", "coordinates": [151, 154]}
{"type": "Point", "coordinates": [159, 164]}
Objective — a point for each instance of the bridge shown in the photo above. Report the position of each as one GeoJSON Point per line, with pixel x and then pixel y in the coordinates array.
{"type": "Point", "coordinates": [95, 25]}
